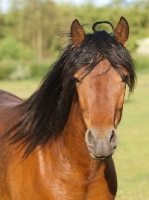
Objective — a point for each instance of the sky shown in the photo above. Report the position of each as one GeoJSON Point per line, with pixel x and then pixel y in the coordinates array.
{"type": "Point", "coordinates": [4, 4]}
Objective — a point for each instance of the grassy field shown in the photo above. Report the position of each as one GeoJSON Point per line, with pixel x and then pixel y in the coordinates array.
{"type": "Point", "coordinates": [132, 155]}
{"type": "Point", "coordinates": [23, 88]}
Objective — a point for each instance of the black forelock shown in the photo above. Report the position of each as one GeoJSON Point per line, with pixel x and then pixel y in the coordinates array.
{"type": "Point", "coordinates": [97, 46]}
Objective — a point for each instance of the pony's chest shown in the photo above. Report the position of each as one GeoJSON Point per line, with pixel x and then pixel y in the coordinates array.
{"type": "Point", "coordinates": [42, 177]}
{"type": "Point", "coordinates": [59, 190]}
{"type": "Point", "coordinates": [30, 183]}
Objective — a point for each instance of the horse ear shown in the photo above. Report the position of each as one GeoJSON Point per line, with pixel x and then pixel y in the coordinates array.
{"type": "Point", "coordinates": [122, 31]}
{"type": "Point", "coordinates": [77, 33]}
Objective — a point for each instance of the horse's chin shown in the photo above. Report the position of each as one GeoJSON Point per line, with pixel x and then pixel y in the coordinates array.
{"type": "Point", "coordinates": [100, 157]}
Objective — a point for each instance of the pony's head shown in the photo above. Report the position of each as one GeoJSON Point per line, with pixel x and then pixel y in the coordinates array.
{"type": "Point", "coordinates": [101, 87]}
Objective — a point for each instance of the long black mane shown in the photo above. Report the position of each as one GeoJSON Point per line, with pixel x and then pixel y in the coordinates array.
{"type": "Point", "coordinates": [45, 113]}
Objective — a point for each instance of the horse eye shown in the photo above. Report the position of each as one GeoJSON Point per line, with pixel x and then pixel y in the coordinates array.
{"type": "Point", "coordinates": [77, 80]}
{"type": "Point", "coordinates": [126, 78]}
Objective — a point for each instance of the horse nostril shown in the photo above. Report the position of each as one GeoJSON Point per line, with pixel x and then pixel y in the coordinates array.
{"type": "Point", "coordinates": [90, 137]}
{"type": "Point", "coordinates": [112, 138]}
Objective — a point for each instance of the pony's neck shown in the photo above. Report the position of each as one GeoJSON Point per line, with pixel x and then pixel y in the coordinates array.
{"type": "Point", "coordinates": [72, 141]}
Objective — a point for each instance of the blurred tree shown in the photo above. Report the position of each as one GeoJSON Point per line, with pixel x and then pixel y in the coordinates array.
{"type": "Point", "coordinates": [37, 24]}
{"type": "Point", "coordinates": [11, 49]}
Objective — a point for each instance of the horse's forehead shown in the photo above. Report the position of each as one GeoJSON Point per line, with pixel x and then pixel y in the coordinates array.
{"type": "Point", "coordinates": [105, 70]}
{"type": "Point", "coordinates": [102, 68]}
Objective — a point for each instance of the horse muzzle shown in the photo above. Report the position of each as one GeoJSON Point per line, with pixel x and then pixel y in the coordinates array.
{"type": "Point", "coordinates": [101, 143]}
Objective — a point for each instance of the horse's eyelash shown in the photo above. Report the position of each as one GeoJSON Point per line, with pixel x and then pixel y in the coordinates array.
{"type": "Point", "coordinates": [77, 80]}
{"type": "Point", "coordinates": [126, 78]}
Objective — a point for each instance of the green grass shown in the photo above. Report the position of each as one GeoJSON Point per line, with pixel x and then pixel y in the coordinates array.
{"type": "Point", "coordinates": [21, 88]}
{"type": "Point", "coordinates": [132, 155]}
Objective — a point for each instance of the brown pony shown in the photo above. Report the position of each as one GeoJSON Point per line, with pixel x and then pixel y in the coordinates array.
{"type": "Point", "coordinates": [58, 144]}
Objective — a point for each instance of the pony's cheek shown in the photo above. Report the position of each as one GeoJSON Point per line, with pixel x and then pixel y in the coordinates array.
{"type": "Point", "coordinates": [118, 117]}
{"type": "Point", "coordinates": [83, 108]}
{"type": "Point", "coordinates": [119, 110]}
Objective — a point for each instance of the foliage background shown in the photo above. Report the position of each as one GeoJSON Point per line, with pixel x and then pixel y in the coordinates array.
{"type": "Point", "coordinates": [34, 32]}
